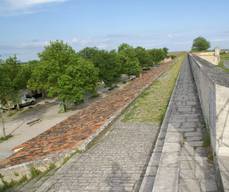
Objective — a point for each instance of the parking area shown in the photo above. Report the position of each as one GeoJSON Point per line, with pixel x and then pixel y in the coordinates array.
{"type": "Point", "coordinates": [30, 122]}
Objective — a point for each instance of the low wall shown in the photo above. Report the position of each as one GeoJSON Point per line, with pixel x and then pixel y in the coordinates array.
{"type": "Point", "coordinates": [213, 91]}
{"type": "Point", "coordinates": [209, 56]}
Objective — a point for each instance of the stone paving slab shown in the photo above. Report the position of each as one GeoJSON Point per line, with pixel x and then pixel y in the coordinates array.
{"type": "Point", "coordinates": [71, 133]}
{"type": "Point", "coordinates": [184, 166]}
{"type": "Point", "coordinates": [115, 163]}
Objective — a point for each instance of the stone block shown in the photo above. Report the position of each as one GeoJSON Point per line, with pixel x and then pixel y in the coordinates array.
{"type": "Point", "coordinates": [191, 185]}
{"type": "Point", "coordinates": [187, 165]}
{"type": "Point", "coordinates": [166, 180]}
{"type": "Point", "coordinates": [171, 147]}
{"type": "Point", "coordinates": [169, 160]}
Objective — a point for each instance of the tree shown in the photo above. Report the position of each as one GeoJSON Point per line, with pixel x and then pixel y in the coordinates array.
{"type": "Point", "coordinates": [6, 89]}
{"type": "Point", "coordinates": [39, 77]}
{"type": "Point", "coordinates": [108, 65]}
{"type": "Point", "coordinates": [6, 92]}
{"type": "Point", "coordinates": [64, 74]}
{"type": "Point", "coordinates": [128, 60]}
{"type": "Point", "coordinates": [166, 51]}
{"type": "Point", "coordinates": [130, 65]}
{"type": "Point", "coordinates": [157, 55]}
{"type": "Point", "coordinates": [89, 53]}
{"type": "Point", "coordinates": [124, 47]}
{"type": "Point", "coordinates": [80, 77]}
{"type": "Point", "coordinates": [200, 44]}
{"type": "Point", "coordinates": [53, 61]}
{"type": "Point", "coordinates": [105, 61]}
{"type": "Point", "coordinates": [11, 68]}
{"type": "Point", "coordinates": [24, 74]}
{"type": "Point", "coordinates": [143, 56]}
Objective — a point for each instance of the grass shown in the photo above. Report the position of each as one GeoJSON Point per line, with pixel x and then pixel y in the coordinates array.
{"type": "Point", "coordinates": [207, 143]}
{"type": "Point", "coordinates": [152, 103]}
{"type": "Point", "coordinates": [12, 183]}
{"type": "Point", "coordinates": [2, 139]}
{"type": "Point", "coordinates": [223, 57]}
{"type": "Point", "coordinates": [34, 172]}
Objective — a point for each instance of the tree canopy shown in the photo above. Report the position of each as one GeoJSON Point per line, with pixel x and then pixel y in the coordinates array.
{"type": "Point", "coordinates": [128, 60]}
{"type": "Point", "coordinates": [63, 73]}
{"type": "Point", "coordinates": [157, 55]}
{"type": "Point", "coordinates": [11, 81]}
{"type": "Point", "coordinates": [200, 44]}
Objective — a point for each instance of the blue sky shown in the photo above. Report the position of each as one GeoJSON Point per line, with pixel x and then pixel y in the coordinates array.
{"type": "Point", "coordinates": [28, 25]}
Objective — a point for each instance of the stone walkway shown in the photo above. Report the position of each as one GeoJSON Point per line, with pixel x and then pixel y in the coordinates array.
{"type": "Point", "coordinates": [184, 164]}
{"type": "Point", "coordinates": [116, 163]}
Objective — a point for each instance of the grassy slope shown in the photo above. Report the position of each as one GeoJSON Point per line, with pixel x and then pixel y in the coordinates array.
{"type": "Point", "coordinates": [152, 104]}
{"type": "Point", "coordinates": [222, 58]}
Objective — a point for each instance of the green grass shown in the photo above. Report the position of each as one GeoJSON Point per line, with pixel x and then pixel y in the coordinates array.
{"type": "Point", "coordinates": [152, 103]}
{"type": "Point", "coordinates": [34, 172]}
{"type": "Point", "coordinates": [222, 58]}
{"type": "Point", "coordinates": [2, 139]}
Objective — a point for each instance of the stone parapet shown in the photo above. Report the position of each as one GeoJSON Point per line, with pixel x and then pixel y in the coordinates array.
{"type": "Point", "coordinates": [213, 90]}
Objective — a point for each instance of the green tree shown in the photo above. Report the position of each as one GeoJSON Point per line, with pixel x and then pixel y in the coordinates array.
{"type": "Point", "coordinates": [80, 77]}
{"type": "Point", "coordinates": [63, 73]}
{"type": "Point", "coordinates": [5, 92]}
{"type": "Point", "coordinates": [166, 51]}
{"type": "Point", "coordinates": [124, 47]}
{"type": "Point", "coordinates": [11, 68]}
{"type": "Point", "coordinates": [89, 53]}
{"type": "Point", "coordinates": [53, 61]}
{"type": "Point", "coordinates": [157, 55]}
{"type": "Point", "coordinates": [128, 60]}
{"type": "Point", "coordinates": [24, 74]}
{"type": "Point", "coordinates": [108, 65]}
{"type": "Point", "coordinates": [143, 57]}
{"type": "Point", "coordinates": [39, 77]}
{"type": "Point", "coordinates": [6, 88]}
{"type": "Point", "coordinates": [200, 44]}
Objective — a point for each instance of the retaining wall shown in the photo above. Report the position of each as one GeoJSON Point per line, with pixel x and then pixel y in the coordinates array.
{"type": "Point", "coordinates": [213, 90]}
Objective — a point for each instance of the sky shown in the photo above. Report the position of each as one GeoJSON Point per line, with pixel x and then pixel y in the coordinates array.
{"type": "Point", "coordinates": [26, 26]}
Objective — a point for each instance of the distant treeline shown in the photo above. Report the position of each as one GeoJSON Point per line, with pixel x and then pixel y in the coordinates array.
{"type": "Point", "coordinates": [69, 75]}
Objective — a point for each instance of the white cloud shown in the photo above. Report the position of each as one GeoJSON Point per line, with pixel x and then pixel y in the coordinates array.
{"type": "Point", "coordinates": [15, 7]}
{"type": "Point", "coordinates": [220, 40]}
{"type": "Point", "coordinates": [24, 4]}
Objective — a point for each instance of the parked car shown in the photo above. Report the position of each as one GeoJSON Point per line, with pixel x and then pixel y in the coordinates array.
{"type": "Point", "coordinates": [27, 100]}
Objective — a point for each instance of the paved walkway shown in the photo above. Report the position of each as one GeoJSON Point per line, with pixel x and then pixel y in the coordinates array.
{"type": "Point", "coordinates": [184, 165]}
{"type": "Point", "coordinates": [116, 163]}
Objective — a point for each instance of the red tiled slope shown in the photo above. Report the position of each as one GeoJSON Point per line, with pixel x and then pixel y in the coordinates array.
{"type": "Point", "coordinates": [74, 130]}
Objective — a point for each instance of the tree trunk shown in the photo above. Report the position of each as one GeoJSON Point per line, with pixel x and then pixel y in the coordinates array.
{"type": "Point", "coordinates": [3, 125]}
{"type": "Point", "coordinates": [64, 106]}
{"type": "Point", "coordinates": [18, 107]}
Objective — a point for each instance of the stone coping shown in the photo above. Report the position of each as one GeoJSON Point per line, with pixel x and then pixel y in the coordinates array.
{"type": "Point", "coordinates": [214, 73]}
